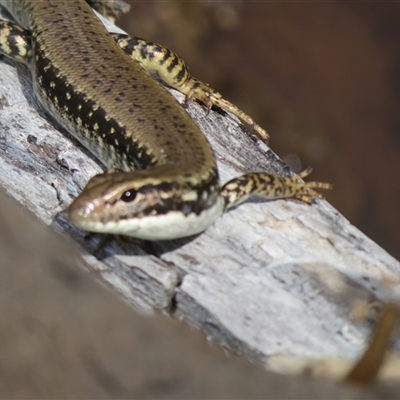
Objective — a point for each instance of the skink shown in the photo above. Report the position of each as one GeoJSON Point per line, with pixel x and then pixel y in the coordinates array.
{"type": "Point", "coordinates": [163, 180]}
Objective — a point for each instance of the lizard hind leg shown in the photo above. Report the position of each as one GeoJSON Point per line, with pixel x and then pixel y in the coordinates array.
{"type": "Point", "coordinates": [15, 42]}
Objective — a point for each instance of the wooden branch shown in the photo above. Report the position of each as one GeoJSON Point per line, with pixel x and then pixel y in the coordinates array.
{"type": "Point", "coordinates": [269, 280]}
{"type": "Point", "coordinates": [64, 336]}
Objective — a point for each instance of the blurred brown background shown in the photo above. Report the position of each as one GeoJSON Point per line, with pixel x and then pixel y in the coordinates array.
{"type": "Point", "coordinates": [321, 77]}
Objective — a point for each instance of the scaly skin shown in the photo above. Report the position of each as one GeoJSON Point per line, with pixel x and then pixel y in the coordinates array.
{"type": "Point", "coordinates": [166, 184]}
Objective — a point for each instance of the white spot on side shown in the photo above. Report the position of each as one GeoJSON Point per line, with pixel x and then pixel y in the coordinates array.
{"type": "Point", "coordinates": [190, 196]}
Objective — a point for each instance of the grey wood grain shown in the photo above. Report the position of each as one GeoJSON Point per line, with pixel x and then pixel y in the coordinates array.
{"type": "Point", "coordinates": [64, 336]}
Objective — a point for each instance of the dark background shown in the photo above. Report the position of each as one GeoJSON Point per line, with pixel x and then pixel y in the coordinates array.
{"type": "Point", "coordinates": [321, 77]}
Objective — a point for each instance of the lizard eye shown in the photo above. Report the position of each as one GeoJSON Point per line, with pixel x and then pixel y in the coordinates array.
{"type": "Point", "coordinates": [128, 196]}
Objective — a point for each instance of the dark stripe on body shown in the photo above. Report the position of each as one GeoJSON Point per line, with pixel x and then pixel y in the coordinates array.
{"type": "Point", "coordinates": [56, 86]}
